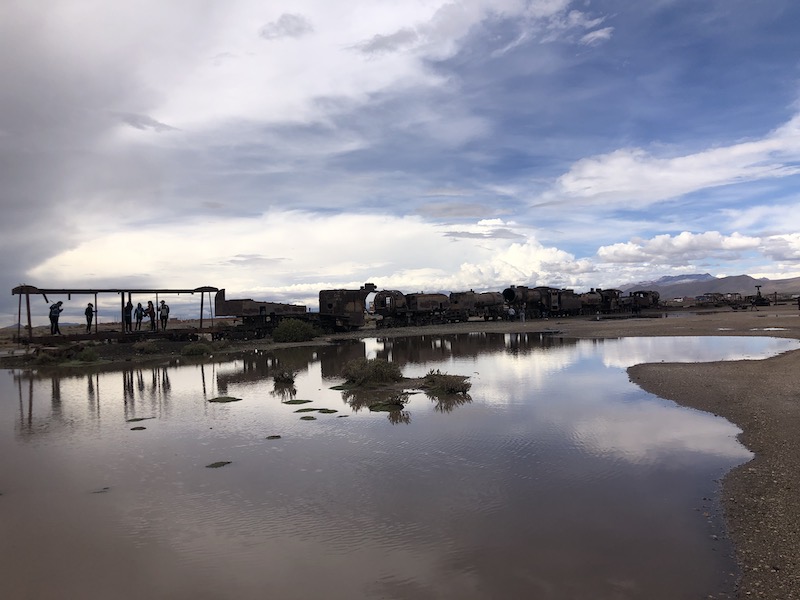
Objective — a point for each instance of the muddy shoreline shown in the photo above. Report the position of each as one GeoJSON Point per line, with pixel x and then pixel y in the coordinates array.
{"type": "Point", "coordinates": [762, 397]}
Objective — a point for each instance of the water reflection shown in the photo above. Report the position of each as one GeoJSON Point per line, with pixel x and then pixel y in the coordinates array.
{"type": "Point", "coordinates": [556, 477]}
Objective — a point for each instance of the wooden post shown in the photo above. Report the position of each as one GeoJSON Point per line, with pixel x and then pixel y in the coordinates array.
{"type": "Point", "coordinates": [19, 319]}
{"type": "Point", "coordinates": [96, 313]}
{"type": "Point", "coordinates": [28, 306]}
{"type": "Point", "coordinates": [202, 298]}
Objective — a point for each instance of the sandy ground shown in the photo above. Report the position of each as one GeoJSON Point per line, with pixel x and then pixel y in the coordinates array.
{"type": "Point", "coordinates": [762, 397]}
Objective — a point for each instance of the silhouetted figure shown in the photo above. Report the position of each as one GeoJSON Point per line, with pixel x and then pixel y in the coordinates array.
{"type": "Point", "coordinates": [150, 311]}
{"type": "Point", "coordinates": [163, 311]}
{"type": "Point", "coordinates": [89, 312]}
{"type": "Point", "coordinates": [55, 312]}
{"type": "Point", "coordinates": [139, 314]}
{"type": "Point", "coordinates": [127, 313]}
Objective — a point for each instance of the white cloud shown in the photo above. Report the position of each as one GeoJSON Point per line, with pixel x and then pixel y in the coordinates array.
{"type": "Point", "coordinates": [784, 248]}
{"type": "Point", "coordinates": [678, 249]}
{"type": "Point", "coordinates": [296, 252]}
{"type": "Point", "coordinates": [633, 174]}
{"type": "Point", "coordinates": [597, 36]}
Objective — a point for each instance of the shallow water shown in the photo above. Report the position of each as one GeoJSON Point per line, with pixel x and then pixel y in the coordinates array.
{"type": "Point", "coordinates": [556, 478]}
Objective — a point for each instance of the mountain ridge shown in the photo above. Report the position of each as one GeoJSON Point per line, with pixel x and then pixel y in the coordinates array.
{"type": "Point", "coordinates": [697, 284]}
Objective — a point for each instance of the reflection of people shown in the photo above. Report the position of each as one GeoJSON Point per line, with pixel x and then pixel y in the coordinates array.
{"type": "Point", "coordinates": [55, 311]}
{"type": "Point", "coordinates": [89, 312]}
{"type": "Point", "coordinates": [139, 314]}
{"type": "Point", "coordinates": [126, 317]}
{"type": "Point", "coordinates": [150, 311]}
{"type": "Point", "coordinates": [163, 311]}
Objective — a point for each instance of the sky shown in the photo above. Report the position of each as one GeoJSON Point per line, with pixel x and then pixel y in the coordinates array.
{"type": "Point", "coordinates": [278, 148]}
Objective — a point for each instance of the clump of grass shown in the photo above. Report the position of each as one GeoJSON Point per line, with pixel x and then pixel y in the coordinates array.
{"type": "Point", "coordinates": [294, 330]}
{"type": "Point", "coordinates": [46, 359]}
{"type": "Point", "coordinates": [196, 349]}
{"type": "Point", "coordinates": [224, 399]}
{"type": "Point", "coordinates": [362, 371]}
{"type": "Point", "coordinates": [298, 401]}
{"type": "Point", "coordinates": [145, 348]}
{"type": "Point", "coordinates": [386, 406]}
{"type": "Point", "coordinates": [443, 383]}
{"type": "Point", "coordinates": [87, 355]}
{"type": "Point", "coordinates": [284, 376]}
{"type": "Point", "coordinates": [220, 344]}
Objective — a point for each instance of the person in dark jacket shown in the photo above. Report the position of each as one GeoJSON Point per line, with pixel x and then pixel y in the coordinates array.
{"type": "Point", "coordinates": [55, 312]}
{"type": "Point", "coordinates": [150, 311]}
{"type": "Point", "coordinates": [139, 314]}
{"type": "Point", "coordinates": [89, 312]}
{"type": "Point", "coordinates": [127, 311]}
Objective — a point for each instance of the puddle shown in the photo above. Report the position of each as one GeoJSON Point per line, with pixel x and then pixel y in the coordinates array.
{"type": "Point", "coordinates": [555, 477]}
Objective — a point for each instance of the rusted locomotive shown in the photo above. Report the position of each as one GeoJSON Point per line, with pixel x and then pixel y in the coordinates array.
{"type": "Point", "coordinates": [339, 310]}
{"type": "Point", "coordinates": [542, 302]}
{"type": "Point", "coordinates": [393, 308]}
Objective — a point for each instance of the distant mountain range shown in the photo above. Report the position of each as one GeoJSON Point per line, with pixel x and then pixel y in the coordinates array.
{"type": "Point", "coordinates": [698, 284]}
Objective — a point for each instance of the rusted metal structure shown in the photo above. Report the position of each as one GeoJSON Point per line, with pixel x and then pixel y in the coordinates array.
{"type": "Point", "coordinates": [344, 310]}
{"type": "Point", "coordinates": [339, 310]}
{"type": "Point", "coordinates": [124, 293]}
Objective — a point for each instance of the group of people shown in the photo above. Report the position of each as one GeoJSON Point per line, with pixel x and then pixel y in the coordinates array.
{"type": "Point", "coordinates": [140, 312]}
{"type": "Point", "coordinates": [128, 314]}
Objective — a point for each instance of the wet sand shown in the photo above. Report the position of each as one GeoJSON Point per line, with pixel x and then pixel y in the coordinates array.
{"type": "Point", "coordinates": [762, 397]}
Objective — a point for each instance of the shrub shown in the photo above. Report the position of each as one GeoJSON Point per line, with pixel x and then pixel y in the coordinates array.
{"type": "Point", "coordinates": [45, 359]}
{"type": "Point", "coordinates": [145, 348]}
{"type": "Point", "coordinates": [196, 349]}
{"type": "Point", "coordinates": [293, 330]}
{"type": "Point", "coordinates": [87, 355]}
{"type": "Point", "coordinates": [284, 376]}
{"type": "Point", "coordinates": [362, 371]}
{"type": "Point", "coordinates": [437, 381]}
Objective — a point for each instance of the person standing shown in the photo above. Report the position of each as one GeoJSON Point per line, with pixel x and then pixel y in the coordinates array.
{"type": "Point", "coordinates": [139, 314]}
{"type": "Point", "coordinates": [89, 312]}
{"type": "Point", "coordinates": [150, 311]}
{"type": "Point", "coordinates": [127, 311]}
{"type": "Point", "coordinates": [163, 311]}
{"type": "Point", "coordinates": [55, 312]}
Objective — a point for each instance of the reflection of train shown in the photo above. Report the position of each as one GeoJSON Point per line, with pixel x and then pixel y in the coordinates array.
{"type": "Point", "coordinates": [343, 310]}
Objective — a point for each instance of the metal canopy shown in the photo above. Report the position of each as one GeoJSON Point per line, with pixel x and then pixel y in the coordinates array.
{"type": "Point", "coordinates": [27, 290]}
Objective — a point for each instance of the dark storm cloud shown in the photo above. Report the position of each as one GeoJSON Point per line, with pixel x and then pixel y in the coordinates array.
{"type": "Point", "coordinates": [54, 115]}
{"type": "Point", "coordinates": [287, 25]}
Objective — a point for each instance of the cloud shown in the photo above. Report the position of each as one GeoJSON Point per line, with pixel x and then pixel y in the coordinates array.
{"type": "Point", "coordinates": [597, 36]}
{"type": "Point", "coordinates": [784, 248]}
{"type": "Point", "coordinates": [679, 249]}
{"type": "Point", "coordinates": [143, 122]}
{"type": "Point", "coordinates": [393, 42]}
{"type": "Point", "coordinates": [287, 26]}
{"type": "Point", "coordinates": [633, 174]}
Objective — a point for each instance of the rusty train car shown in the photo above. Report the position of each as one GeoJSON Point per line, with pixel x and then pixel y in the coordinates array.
{"type": "Point", "coordinates": [393, 308]}
{"type": "Point", "coordinates": [339, 310]}
{"type": "Point", "coordinates": [345, 310]}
